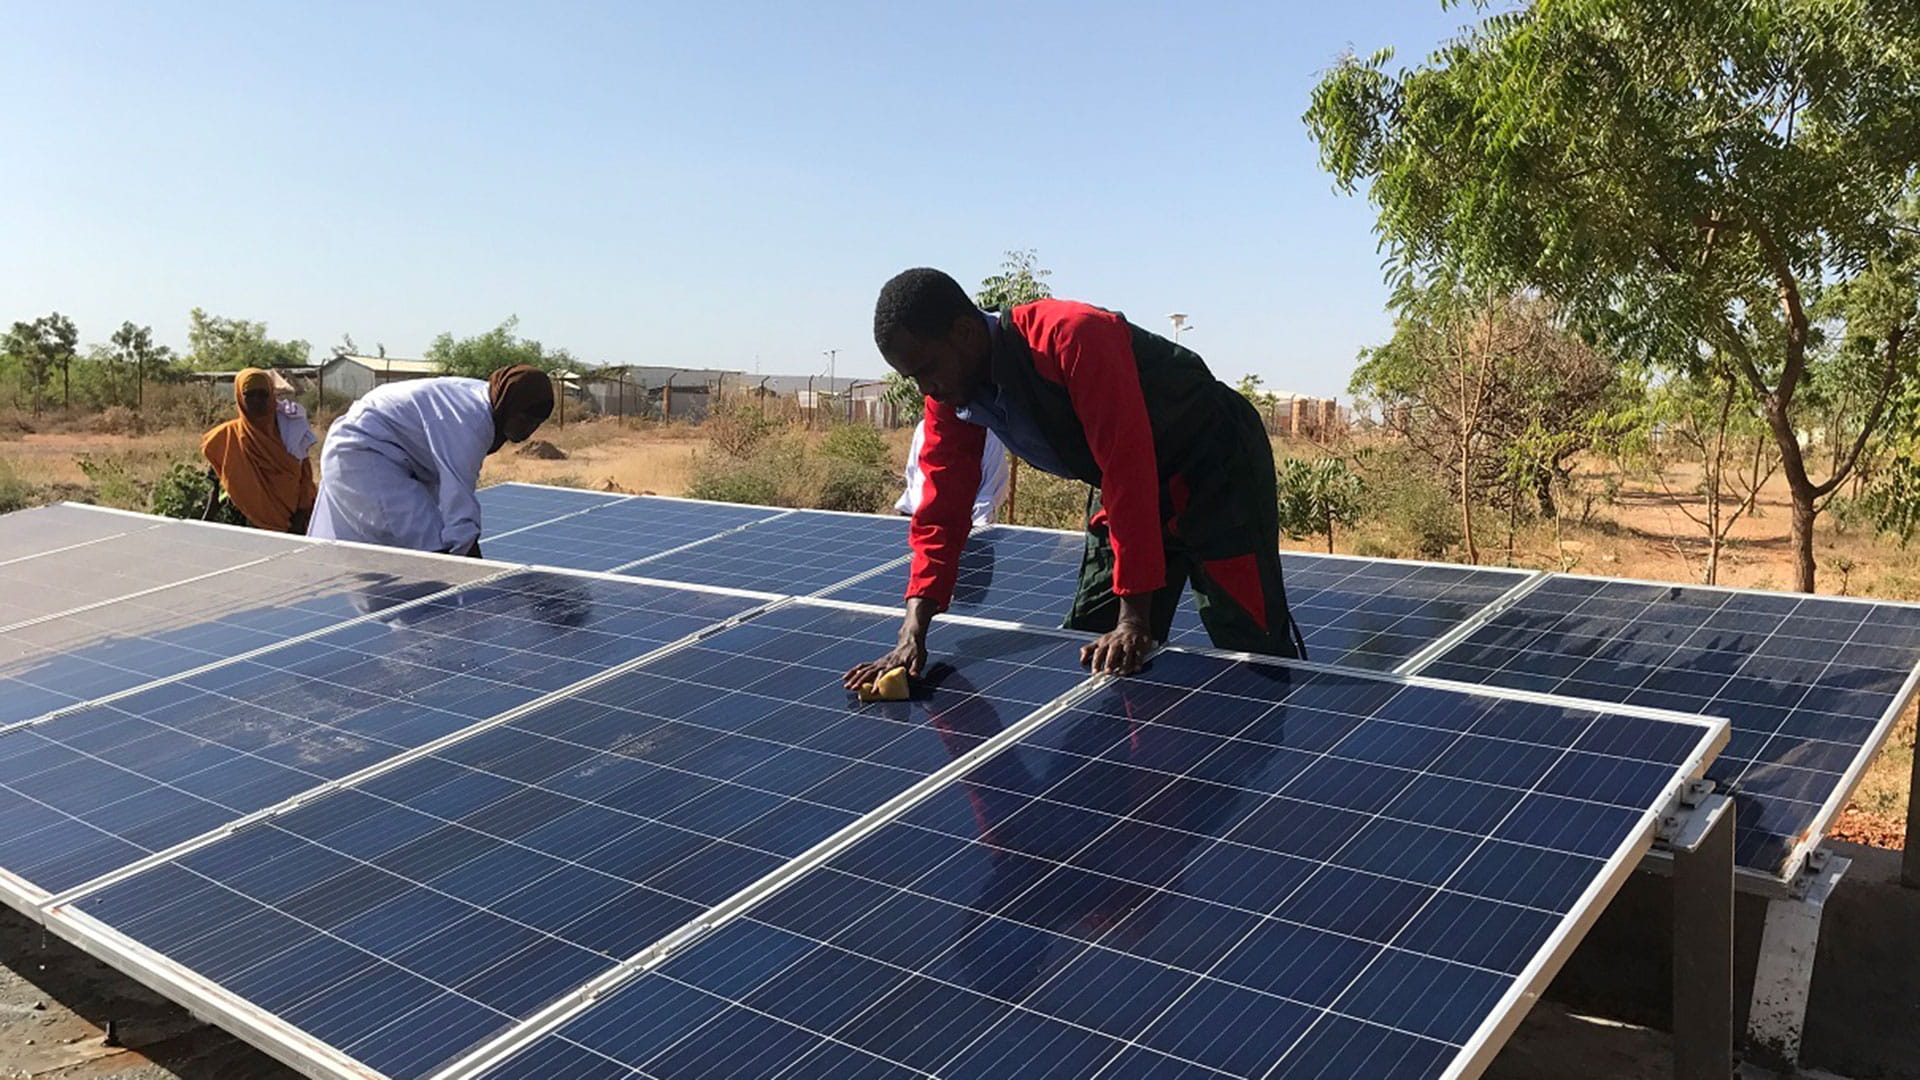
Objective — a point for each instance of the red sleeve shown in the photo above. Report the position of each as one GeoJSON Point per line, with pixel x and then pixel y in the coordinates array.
{"type": "Point", "coordinates": [1090, 352]}
{"type": "Point", "coordinates": [950, 465]}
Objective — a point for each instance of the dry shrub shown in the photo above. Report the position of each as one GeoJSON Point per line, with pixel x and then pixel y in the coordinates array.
{"type": "Point", "coordinates": [117, 420]}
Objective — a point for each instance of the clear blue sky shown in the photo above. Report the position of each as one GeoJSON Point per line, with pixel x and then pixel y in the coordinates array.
{"type": "Point", "coordinates": [708, 184]}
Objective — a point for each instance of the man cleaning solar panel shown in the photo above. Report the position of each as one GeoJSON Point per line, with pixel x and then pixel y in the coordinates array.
{"type": "Point", "coordinates": [1180, 464]}
{"type": "Point", "coordinates": [401, 467]}
{"type": "Point", "coordinates": [260, 456]}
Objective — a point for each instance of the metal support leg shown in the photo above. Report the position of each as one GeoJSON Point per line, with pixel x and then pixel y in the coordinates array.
{"type": "Point", "coordinates": [1783, 977]}
{"type": "Point", "coordinates": [1910, 859]}
{"type": "Point", "coordinates": [1703, 942]}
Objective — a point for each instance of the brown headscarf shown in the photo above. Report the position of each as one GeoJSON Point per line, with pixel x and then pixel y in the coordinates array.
{"type": "Point", "coordinates": [521, 388]}
{"type": "Point", "coordinates": [265, 482]}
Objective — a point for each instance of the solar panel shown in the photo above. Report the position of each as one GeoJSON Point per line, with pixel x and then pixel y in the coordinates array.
{"type": "Point", "coordinates": [28, 533]}
{"type": "Point", "coordinates": [1365, 613]}
{"type": "Point", "coordinates": [1279, 874]}
{"type": "Point", "coordinates": [117, 567]}
{"type": "Point", "coordinates": [402, 921]}
{"type": "Point", "coordinates": [1811, 684]}
{"type": "Point", "coordinates": [1019, 575]}
{"type": "Point", "coordinates": [1373, 613]}
{"type": "Point", "coordinates": [98, 788]}
{"type": "Point", "coordinates": [59, 662]}
{"type": "Point", "coordinates": [612, 536]}
{"type": "Point", "coordinates": [797, 553]}
{"type": "Point", "coordinates": [505, 508]}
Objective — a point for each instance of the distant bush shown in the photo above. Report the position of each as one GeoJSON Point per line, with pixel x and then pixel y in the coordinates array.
{"type": "Point", "coordinates": [857, 473]}
{"type": "Point", "coordinates": [1049, 502]}
{"type": "Point", "coordinates": [1409, 500]}
{"type": "Point", "coordinates": [182, 492]}
{"type": "Point", "coordinates": [15, 493]}
{"type": "Point", "coordinates": [739, 429]}
{"type": "Point", "coordinates": [117, 420]}
{"type": "Point", "coordinates": [860, 444]}
{"type": "Point", "coordinates": [851, 486]}
{"type": "Point", "coordinates": [722, 479]}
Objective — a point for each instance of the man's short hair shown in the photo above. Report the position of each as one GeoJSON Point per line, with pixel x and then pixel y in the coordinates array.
{"type": "Point", "coordinates": [922, 301]}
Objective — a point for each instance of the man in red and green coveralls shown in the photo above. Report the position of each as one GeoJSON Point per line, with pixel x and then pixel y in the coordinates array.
{"type": "Point", "coordinates": [1179, 462]}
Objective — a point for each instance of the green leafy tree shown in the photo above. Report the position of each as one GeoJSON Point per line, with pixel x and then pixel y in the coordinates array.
{"type": "Point", "coordinates": [1316, 496]}
{"type": "Point", "coordinates": [24, 350]}
{"type": "Point", "coordinates": [1021, 280]}
{"type": "Point", "coordinates": [905, 397]}
{"type": "Point", "coordinates": [133, 351]}
{"type": "Point", "coordinates": [1250, 387]}
{"type": "Point", "coordinates": [479, 356]}
{"type": "Point", "coordinates": [60, 343]}
{"type": "Point", "coordinates": [215, 343]}
{"type": "Point", "coordinates": [1715, 176]}
{"type": "Point", "coordinates": [40, 346]}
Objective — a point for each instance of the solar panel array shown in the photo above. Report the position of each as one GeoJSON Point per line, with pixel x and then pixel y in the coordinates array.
{"type": "Point", "coordinates": [101, 787]}
{"type": "Point", "coordinates": [1811, 683]}
{"type": "Point", "coordinates": [426, 807]}
{"type": "Point", "coordinates": [407, 919]}
{"type": "Point", "coordinates": [56, 663]}
{"type": "Point", "coordinates": [1274, 874]}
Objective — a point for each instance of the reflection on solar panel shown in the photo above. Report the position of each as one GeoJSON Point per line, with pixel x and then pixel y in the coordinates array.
{"type": "Point", "coordinates": [98, 788]}
{"type": "Point", "coordinates": [1019, 575]}
{"type": "Point", "coordinates": [1359, 881]}
{"type": "Point", "coordinates": [797, 553]}
{"type": "Point", "coordinates": [505, 508]}
{"type": "Point", "coordinates": [1373, 613]}
{"type": "Point", "coordinates": [103, 650]}
{"type": "Point", "coordinates": [409, 918]}
{"type": "Point", "coordinates": [611, 536]}
{"type": "Point", "coordinates": [1810, 683]}
{"type": "Point", "coordinates": [121, 566]}
{"type": "Point", "coordinates": [25, 534]}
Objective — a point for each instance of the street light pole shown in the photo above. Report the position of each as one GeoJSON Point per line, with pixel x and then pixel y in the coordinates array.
{"type": "Point", "coordinates": [1179, 321]}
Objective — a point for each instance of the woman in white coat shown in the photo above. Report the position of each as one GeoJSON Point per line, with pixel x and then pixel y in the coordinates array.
{"type": "Point", "coordinates": [401, 467]}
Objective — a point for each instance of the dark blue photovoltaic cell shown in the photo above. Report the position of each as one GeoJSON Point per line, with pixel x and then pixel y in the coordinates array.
{"type": "Point", "coordinates": [507, 507]}
{"type": "Point", "coordinates": [798, 553]}
{"type": "Point", "coordinates": [1807, 681]}
{"type": "Point", "coordinates": [1372, 613]}
{"type": "Point", "coordinates": [98, 788]}
{"type": "Point", "coordinates": [121, 566]}
{"type": "Point", "coordinates": [43, 529]}
{"type": "Point", "coordinates": [1019, 575]}
{"type": "Point", "coordinates": [89, 654]}
{"type": "Point", "coordinates": [1278, 874]}
{"type": "Point", "coordinates": [614, 535]}
{"type": "Point", "coordinates": [408, 918]}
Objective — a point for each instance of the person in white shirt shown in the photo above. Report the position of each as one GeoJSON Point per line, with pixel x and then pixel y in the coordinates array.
{"type": "Point", "coordinates": [993, 478]}
{"type": "Point", "coordinates": [401, 467]}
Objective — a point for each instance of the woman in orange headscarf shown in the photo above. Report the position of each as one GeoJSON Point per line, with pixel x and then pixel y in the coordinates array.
{"type": "Point", "coordinates": [255, 459]}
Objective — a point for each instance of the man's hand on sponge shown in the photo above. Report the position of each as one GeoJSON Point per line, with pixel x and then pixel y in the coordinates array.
{"type": "Point", "coordinates": [886, 678]}
{"type": "Point", "coordinates": [889, 686]}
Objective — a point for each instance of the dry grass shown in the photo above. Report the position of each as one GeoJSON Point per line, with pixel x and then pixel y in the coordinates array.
{"type": "Point", "coordinates": [606, 456]}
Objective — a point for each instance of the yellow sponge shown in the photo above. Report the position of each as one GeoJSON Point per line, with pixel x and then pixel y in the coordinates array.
{"type": "Point", "coordinates": [891, 686]}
